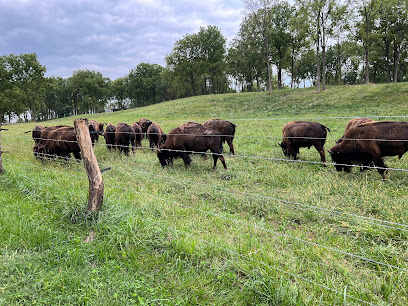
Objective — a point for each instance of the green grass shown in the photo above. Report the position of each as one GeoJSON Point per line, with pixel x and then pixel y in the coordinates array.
{"type": "Point", "coordinates": [177, 236]}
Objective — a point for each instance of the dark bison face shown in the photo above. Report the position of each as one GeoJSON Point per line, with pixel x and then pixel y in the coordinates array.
{"type": "Point", "coordinates": [284, 148]}
{"type": "Point", "coordinates": [338, 159]}
{"type": "Point", "coordinates": [164, 159]}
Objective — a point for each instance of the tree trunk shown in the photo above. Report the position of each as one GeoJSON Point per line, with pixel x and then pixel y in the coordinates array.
{"type": "Point", "coordinates": [396, 60]}
{"type": "Point", "coordinates": [1, 158]}
{"type": "Point", "coordinates": [367, 71]}
{"type": "Point", "coordinates": [387, 59]}
{"type": "Point", "coordinates": [318, 67]}
{"type": "Point", "coordinates": [317, 53]}
{"type": "Point", "coordinates": [292, 65]}
{"type": "Point", "coordinates": [279, 77]}
{"type": "Point", "coordinates": [324, 66]}
{"type": "Point", "coordinates": [268, 65]}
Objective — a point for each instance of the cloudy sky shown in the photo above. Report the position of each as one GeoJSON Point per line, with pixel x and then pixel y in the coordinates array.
{"type": "Point", "coordinates": [109, 36]}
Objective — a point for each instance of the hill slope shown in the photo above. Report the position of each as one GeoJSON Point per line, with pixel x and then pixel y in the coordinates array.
{"type": "Point", "coordinates": [267, 231]}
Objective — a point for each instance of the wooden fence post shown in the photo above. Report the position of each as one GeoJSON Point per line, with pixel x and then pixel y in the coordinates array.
{"type": "Point", "coordinates": [91, 165]}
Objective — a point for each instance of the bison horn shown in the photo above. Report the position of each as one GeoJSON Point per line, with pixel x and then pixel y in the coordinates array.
{"type": "Point", "coordinates": [331, 152]}
{"type": "Point", "coordinates": [279, 144]}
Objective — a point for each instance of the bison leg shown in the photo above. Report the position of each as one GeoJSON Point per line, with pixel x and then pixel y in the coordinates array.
{"type": "Point", "coordinates": [322, 154]}
{"type": "Point", "coordinates": [77, 156]}
{"type": "Point", "coordinates": [221, 158]}
{"type": "Point", "coordinates": [231, 145]}
{"type": "Point", "coordinates": [378, 162]}
{"type": "Point", "coordinates": [187, 159]}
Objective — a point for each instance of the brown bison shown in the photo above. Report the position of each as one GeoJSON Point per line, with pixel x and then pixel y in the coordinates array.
{"type": "Point", "coordinates": [190, 138]}
{"type": "Point", "coordinates": [226, 128]}
{"type": "Point", "coordinates": [144, 124]}
{"type": "Point", "coordinates": [109, 135]}
{"type": "Point", "coordinates": [95, 129]}
{"type": "Point", "coordinates": [370, 142]}
{"type": "Point", "coordinates": [124, 136]}
{"type": "Point", "coordinates": [353, 122]}
{"type": "Point", "coordinates": [300, 134]}
{"type": "Point", "coordinates": [58, 141]}
{"type": "Point", "coordinates": [155, 135]}
{"type": "Point", "coordinates": [139, 134]}
{"type": "Point", "coordinates": [36, 133]}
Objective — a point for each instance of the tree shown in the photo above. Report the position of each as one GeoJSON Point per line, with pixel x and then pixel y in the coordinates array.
{"type": "Point", "coordinates": [9, 93]}
{"type": "Point", "coordinates": [212, 59]}
{"type": "Point", "coordinates": [144, 84]}
{"type": "Point", "coordinates": [281, 37]}
{"type": "Point", "coordinates": [28, 76]}
{"type": "Point", "coordinates": [298, 42]}
{"type": "Point", "coordinates": [89, 91]}
{"type": "Point", "coordinates": [185, 62]}
{"type": "Point", "coordinates": [119, 91]}
{"type": "Point", "coordinates": [259, 11]}
{"type": "Point", "coordinates": [245, 59]}
{"type": "Point", "coordinates": [368, 10]}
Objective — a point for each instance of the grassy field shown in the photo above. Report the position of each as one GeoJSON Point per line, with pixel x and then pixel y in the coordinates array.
{"type": "Point", "coordinates": [267, 231]}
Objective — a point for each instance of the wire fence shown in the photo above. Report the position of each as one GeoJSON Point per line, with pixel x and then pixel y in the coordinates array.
{"type": "Point", "coordinates": [270, 231]}
{"type": "Point", "coordinates": [297, 205]}
{"type": "Point", "coordinates": [373, 221]}
{"type": "Point", "coordinates": [240, 156]}
{"type": "Point", "coordinates": [238, 254]}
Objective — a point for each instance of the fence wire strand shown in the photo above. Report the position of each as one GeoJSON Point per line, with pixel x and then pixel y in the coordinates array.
{"type": "Point", "coordinates": [369, 220]}
{"type": "Point", "coordinates": [246, 257]}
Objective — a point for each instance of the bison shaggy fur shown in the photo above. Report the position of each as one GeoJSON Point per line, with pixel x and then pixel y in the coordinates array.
{"type": "Point", "coordinates": [301, 134]}
{"type": "Point", "coordinates": [109, 135]}
{"type": "Point", "coordinates": [370, 142]}
{"type": "Point", "coordinates": [124, 136]}
{"type": "Point", "coordinates": [191, 138]}
{"type": "Point", "coordinates": [226, 128]}
{"type": "Point", "coordinates": [155, 135]}
{"type": "Point", "coordinates": [58, 141]}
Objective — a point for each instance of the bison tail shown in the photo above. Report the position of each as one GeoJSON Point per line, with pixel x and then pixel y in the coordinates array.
{"type": "Point", "coordinates": [326, 128]}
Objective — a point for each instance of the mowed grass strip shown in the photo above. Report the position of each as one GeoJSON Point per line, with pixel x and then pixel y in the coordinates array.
{"type": "Point", "coordinates": [263, 232]}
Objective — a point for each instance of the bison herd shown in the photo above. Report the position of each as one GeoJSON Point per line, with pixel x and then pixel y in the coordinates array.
{"type": "Point", "coordinates": [365, 142]}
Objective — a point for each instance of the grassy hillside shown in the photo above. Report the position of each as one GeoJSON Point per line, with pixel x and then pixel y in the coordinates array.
{"type": "Point", "coordinates": [267, 231]}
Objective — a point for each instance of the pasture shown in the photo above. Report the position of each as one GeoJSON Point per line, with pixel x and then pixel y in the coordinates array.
{"type": "Point", "coordinates": [267, 231]}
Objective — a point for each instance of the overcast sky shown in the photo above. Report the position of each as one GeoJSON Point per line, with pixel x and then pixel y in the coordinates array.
{"type": "Point", "coordinates": [109, 36]}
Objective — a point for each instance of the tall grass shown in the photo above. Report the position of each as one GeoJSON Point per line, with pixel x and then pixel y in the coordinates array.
{"type": "Point", "coordinates": [263, 232]}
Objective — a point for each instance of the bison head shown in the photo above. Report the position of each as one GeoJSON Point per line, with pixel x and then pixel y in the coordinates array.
{"type": "Point", "coordinates": [164, 158]}
{"type": "Point", "coordinates": [284, 147]}
{"type": "Point", "coordinates": [339, 160]}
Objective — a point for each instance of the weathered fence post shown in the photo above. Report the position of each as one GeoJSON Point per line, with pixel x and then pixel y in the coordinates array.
{"type": "Point", "coordinates": [91, 165]}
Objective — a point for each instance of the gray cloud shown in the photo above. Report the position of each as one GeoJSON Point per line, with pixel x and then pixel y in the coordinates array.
{"type": "Point", "coordinates": [108, 36]}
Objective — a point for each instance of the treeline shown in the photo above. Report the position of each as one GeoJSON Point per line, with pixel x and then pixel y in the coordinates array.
{"type": "Point", "coordinates": [315, 41]}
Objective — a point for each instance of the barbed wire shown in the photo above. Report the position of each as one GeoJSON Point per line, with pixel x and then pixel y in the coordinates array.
{"type": "Point", "coordinates": [369, 220]}
{"type": "Point", "coordinates": [236, 136]}
{"type": "Point", "coordinates": [246, 156]}
{"type": "Point", "coordinates": [264, 229]}
{"type": "Point", "coordinates": [302, 278]}
{"type": "Point", "coordinates": [260, 262]}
